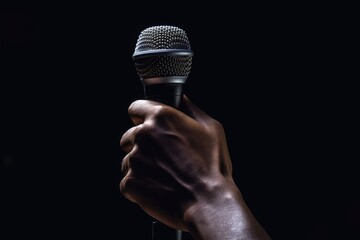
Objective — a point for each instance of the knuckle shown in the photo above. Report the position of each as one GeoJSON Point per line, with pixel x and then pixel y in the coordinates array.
{"type": "Point", "coordinates": [136, 163]}
{"type": "Point", "coordinates": [131, 107]}
{"type": "Point", "coordinates": [125, 165]}
{"type": "Point", "coordinates": [126, 140]}
{"type": "Point", "coordinates": [123, 142]}
{"type": "Point", "coordinates": [133, 161]}
{"type": "Point", "coordinates": [122, 185]}
{"type": "Point", "coordinates": [216, 125]}
{"type": "Point", "coordinates": [128, 187]}
{"type": "Point", "coordinates": [161, 111]}
{"type": "Point", "coordinates": [125, 186]}
{"type": "Point", "coordinates": [144, 132]}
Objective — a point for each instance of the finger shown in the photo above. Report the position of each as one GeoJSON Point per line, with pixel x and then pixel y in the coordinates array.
{"type": "Point", "coordinates": [125, 164]}
{"type": "Point", "coordinates": [135, 188]}
{"type": "Point", "coordinates": [125, 184]}
{"type": "Point", "coordinates": [140, 164]}
{"type": "Point", "coordinates": [139, 110]}
{"type": "Point", "coordinates": [132, 161]}
{"type": "Point", "coordinates": [128, 138]}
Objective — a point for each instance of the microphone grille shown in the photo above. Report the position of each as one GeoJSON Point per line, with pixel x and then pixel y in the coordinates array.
{"type": "Point", "coordinates": [162, 51]}
{"type": "Point", "coordinates": [162, 37]}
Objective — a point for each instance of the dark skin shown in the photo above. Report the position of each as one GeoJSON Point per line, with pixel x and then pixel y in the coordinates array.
{"type": "Point", "coordinates": [178, 170]}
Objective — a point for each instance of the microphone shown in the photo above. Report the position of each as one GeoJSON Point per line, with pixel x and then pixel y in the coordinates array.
{"type": "Point", "coordinates": [163, 59]}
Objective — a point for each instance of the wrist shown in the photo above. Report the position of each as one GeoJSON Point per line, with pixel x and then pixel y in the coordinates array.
{"type": "Point", "coordinates": [214, 200]}
{"type": "Point", "coordinates": [220, 212]}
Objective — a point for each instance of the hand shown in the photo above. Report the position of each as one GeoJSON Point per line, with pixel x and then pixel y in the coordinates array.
{"type": "Point", "coordinates": [170, 155]}
{"type": "Point", "coordinates": [178, 169]}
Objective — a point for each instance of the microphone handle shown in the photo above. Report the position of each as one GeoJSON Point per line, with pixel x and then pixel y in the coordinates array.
{"type": "Point", "coordinates": [167, 93]}
{"type": "Point", "coordinates": [160, 231]}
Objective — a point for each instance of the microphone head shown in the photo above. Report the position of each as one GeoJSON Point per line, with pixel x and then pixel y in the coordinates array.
{"type": "Point", "coordinates": [163, 55]}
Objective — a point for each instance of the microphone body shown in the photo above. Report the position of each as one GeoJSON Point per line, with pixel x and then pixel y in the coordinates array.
{"type": "Point", "coordinates": [167, 93]}
{"type": "Point", "coordinates": [163, 59]}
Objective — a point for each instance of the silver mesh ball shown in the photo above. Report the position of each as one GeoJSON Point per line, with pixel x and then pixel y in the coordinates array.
{"type": "Point", "coordinates": [160, 63]}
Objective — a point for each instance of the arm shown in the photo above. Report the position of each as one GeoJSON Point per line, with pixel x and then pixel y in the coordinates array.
{"type": "Point", "coordinates": [178, 169]}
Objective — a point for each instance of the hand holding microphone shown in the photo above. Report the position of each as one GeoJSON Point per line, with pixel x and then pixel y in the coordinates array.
{"type": "Point", "coordinates": [177, 167]}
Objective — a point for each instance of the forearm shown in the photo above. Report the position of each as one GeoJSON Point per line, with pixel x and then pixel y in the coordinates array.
{"type": "Point", "coordinates": [225, 217]}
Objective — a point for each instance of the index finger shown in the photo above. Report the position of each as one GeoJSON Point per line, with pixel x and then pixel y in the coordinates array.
{"type": "Point", "coordinates": [139, 110]}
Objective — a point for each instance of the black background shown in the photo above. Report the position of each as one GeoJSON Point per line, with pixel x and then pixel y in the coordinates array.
{"type": "Point", "coordinates": [267, 74]}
